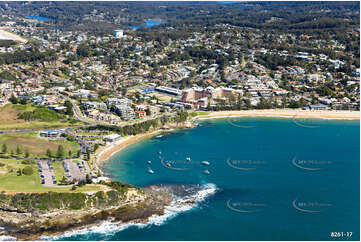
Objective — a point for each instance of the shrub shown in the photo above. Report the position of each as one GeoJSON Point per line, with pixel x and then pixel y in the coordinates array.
{"type": "Point", "coordinates": [28, 170]}
{"type": "Point", "coordinates": [41, 114]}
{"type": "Point", "coordinates": [28, 162]}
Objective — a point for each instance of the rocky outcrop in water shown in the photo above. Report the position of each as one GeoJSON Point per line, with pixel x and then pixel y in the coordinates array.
{"type": "Point", "coordinates": [29, 216]}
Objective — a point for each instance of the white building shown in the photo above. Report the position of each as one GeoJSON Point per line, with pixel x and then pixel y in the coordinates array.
{"type": "Point", "coordinates": [118, 33]}
{"type": "Point", "coordinates": [112, 137]}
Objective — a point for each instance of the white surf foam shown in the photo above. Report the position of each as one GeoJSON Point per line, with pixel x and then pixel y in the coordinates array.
{"type": "Point", "coordinates": [176, 207]}
{"type": "Point", "coordinates": [7, 238]}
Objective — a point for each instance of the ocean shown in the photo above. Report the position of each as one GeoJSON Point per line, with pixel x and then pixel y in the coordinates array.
{"type": "Point", "coordinates": [266, 179]}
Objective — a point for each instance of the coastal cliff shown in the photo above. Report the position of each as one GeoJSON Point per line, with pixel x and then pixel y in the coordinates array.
{"type": "Point", "coordinates": [30, 216]}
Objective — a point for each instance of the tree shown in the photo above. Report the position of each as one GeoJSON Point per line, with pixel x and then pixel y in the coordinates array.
{"type": "Point", "coordinates": [61, 152]}
{"type": "Point", "coordinates": [69, 108]}
{"type": "Point", "coordinates": [87, 153]}
{"type": "Point", "coordinates": [69, 153]}
{"type": "Point", "coordinates": [27, 153]}
{"type": "Point", "coordinates": [13, 99]}
{"type": "Point", "coordinates": [18, 150]}
{"type": "Point", "coordinates": [23, 101]}
{"type": "Point", "coordinates": [4, 148]}
{"type": "Point", "coordinates": [147, 112]}
{"type": "Point", "coordinates": [63, 180]}
{"type": "Point", "coordinates": [48, 153]}
{"type": "Point", "coordinates": [28, 170]}
{"type": "Point", "coordinates": [88, 180]}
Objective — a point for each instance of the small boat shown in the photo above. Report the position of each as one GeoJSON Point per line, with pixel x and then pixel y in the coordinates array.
{"type": "Point", "coordinates": [168, 164]}
{"type": "Point", "coordinates": [149, 162]}
{"type": "Point", "coordinates": [150, 170]}
{"type": "Point", "coordinates": [188, 159]}
{"type": "Point", "coordinates": [159, 152]}
{"type": "Point", "coordinates": [207, 172]}
{"type": "Point", "coordinates": [206, 163]}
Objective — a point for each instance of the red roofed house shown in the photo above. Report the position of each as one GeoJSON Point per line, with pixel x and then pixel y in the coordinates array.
{"type": "Point", "coordinates": [141, 113]}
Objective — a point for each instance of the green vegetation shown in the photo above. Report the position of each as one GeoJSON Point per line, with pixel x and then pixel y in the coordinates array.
{"type": "Point", "coordinates": [137, 128]}
{"type": "Point", "coordinates": [29, 202]}
{"type": "Point", "coordinates": [194, 114]}
{"type": "Point", "coordinates": [7, 75]}
{"type": "Point", "coordinates": [11, 181]}
{"type": "Point", "coordinates": [7, 43]}
{"type": "Point", "coordinates": [27, 56]}
{"type": "Point", "coordinates": [119, 186]}
{"type": "Point", "coordinates": [28, 170]}
{"type": "Point", "coordinates": [10, 113]}
{"type": "Point", "coordinates": [41, 114]}
{"type": "Point", "coordinates": [31, 145]}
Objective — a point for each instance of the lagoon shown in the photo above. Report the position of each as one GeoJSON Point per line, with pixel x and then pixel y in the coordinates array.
{"type": "Point", "coordinates": [38, 18]}
{"type": "Point", "coordinates": [148, 24]}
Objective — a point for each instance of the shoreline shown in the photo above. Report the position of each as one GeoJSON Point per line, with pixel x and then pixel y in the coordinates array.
{"type": "Point", "coordinates": [109, 150]}
{"type": "Point", "coordinates": [106, 152]}
{"type": "Point", "coordinates": [283, 113]}
{"type": "Point", "coordinates": [11, 36]}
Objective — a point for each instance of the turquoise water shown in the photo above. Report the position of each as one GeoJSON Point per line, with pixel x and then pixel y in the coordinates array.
{"type": "Point", "coordinates": [276, 179]}
{"type": "Point", "coordinates": [148, 24]}
{"type": "Point", "coordinates": [38, 18]}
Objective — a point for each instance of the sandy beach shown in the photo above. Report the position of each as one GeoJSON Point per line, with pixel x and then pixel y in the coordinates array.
{"type": "Point", "coordinates": [287, 113]}
{"type": "Point", "coordinates": [106, 152]}
{"type": "Point", "coordinates": [10, 36]}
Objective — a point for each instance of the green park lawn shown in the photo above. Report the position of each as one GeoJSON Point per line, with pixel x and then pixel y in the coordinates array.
{"type": "Point", "coordinates": [10, 182]}
{"type": "Point", "coordinates": [35, 145]}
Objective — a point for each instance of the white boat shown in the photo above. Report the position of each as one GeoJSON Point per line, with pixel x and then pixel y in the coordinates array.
{"type": "Point", "coordinates": [206, 163]}
{"type": "Point", "coordinates": [150, 170]}
{"type": "Point", "coordinates": [168, 164]}
{"type": "Point", "coordinates": [159, 152]}
{"type": "Point", "coordinates": [188, 159]}
{"type": "Point", "coordinates": [149, 162]}
{"type": "Point", "coordinates": [207, 172]}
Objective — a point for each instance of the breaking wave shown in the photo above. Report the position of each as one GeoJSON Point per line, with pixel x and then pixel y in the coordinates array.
{"type": "Point", "coordinates": [186, 197]}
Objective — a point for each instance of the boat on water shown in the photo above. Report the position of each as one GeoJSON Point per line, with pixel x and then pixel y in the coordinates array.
{"type": "Point", "coordinates": [149, 162]}
{"type": "Point", "coordinates": [207, 172]}
{"type": "Point", "coordinates": [188, 159]}
{"type": "Point", "coordinates": [159, 152]}
{"type": "Point", "coordinates": [150, 171]}
{"type": "Point", "coordinates": [168, 164]}
{"type": "Point", "coordinates": [206, 163]}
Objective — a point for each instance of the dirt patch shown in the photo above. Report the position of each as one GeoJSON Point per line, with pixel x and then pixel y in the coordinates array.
{"type": "Point", "coordinates": [9, 115]}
